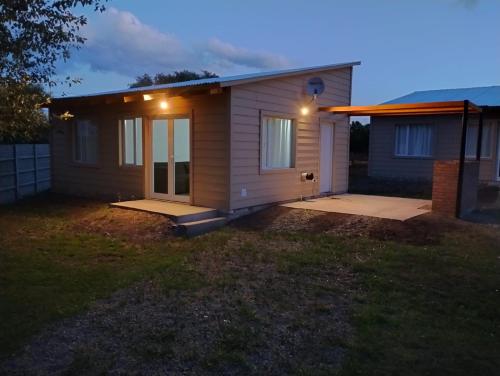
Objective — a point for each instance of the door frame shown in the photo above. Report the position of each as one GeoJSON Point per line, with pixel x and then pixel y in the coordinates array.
{"type": "Point", "coordinates": [331, 124]}
{"type": "Point", "coordinates": [148, 172]}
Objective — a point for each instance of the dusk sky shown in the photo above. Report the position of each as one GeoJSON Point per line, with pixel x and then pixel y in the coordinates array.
{"type": "Point", "coordinates": [403, 45]}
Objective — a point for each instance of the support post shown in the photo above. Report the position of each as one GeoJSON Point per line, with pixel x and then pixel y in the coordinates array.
{"type": "Point", "coordinates": [463, 141]}
{"type": "Point", "coordinates": [479, 138]}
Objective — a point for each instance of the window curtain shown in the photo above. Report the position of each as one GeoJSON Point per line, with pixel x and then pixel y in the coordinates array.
{"type": "Point", "coordinates": [471, 141]}
{"type": "Point", "coordinates": [278, 137]}
{"type": "Point", "coordinates": [420, 143]}
{"type": "Point", "coordinates": [86, 142]}
{"type": "Point", "coordinates": [413, 140]}
{"type": "Point", "coordinates": [401, 140]}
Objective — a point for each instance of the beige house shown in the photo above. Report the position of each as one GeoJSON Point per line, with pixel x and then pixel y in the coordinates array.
{"type": "Point", "coordinates": [407, 146]}
{"type": "Point", "coordinates": [227, 143]}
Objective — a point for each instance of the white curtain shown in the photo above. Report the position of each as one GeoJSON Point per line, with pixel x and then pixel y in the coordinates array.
{"type": "Point", "coordinates": [401, 140]}
{"type": "Point", "coordinates": [277, 143]}
{"type": "Point", "coordinates": [86, 142]}
{"type": "Point", "coordinates": [420, 143]}
{"type": "Point", "coordinates": [471, 141]}
{"type": "Point", "coordinates": [413, 140]}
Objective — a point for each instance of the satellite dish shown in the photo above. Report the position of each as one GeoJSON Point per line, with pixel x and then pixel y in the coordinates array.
{"type": "Point", "coordinates": [315, 86]}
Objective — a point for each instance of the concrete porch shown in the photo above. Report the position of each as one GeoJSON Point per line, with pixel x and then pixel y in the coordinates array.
{"type": "Point", "coordinates": [396, 208]}
{"type": "Point", "coordinates": [190, 220]}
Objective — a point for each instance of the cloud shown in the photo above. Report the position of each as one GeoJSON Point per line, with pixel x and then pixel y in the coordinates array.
{"type": "Point", "coordinates": [240, 56]}
{"type": "Point", "coordinates": [118, 41]}
{"type": "Point", "coordinates": [468, 3]}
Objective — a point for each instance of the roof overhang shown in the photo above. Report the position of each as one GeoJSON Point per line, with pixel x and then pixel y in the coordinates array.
{"type": "Point", "coordinates": [407, 109]}
{"type": "Point", "coordinates": [136, 95]}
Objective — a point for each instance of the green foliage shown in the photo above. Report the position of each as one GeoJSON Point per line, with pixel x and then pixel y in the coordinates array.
{"type": "Point", "coordinates": [34, 36]}
{"type": "Point", "coordinates": [360, 136]}
{"type": "Point", "coordinates": [177, 76]}
{"type": "Point", "coordinates": [21, 119]}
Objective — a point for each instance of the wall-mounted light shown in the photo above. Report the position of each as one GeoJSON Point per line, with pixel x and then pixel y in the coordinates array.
{"type": "Point", "coordinates": [147, 97]}
{"type": "Point", "coordinates": [304, 110]}
{"type": "Point", "coordinates": [163, 105]}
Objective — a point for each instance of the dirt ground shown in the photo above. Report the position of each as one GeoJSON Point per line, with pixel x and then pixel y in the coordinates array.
{"type": "Point", "coordinates": [130, 225]}
{"type": "Point", "coordinates": [421, 230]}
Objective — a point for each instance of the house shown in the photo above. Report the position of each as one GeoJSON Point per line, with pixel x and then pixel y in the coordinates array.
{"type": "Point", "coordinates": [407, 146]}
{"type": "Point", "coordinates": [227, 143]}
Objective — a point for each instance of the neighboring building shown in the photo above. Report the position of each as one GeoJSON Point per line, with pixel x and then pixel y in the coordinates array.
{"type": "Point", "coordinates": [227, 143]}
{"type": "Point", "coordinates": [406, 146]}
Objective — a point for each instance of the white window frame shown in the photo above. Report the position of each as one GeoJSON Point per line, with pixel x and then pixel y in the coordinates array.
{"type": "Point", "coordinates": [79, 158]}
{"type": "Point", "coordinates": [123, 144]}
{"type": "Point", "coordinates": [407, 155]}
{"type": "Point", "coordinates": [490, 133]}
{"type": "Point", "coordinates": [264, 143]}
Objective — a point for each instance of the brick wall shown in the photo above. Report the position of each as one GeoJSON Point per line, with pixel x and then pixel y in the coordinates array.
{"type": "Point", "coordinates": [445, 187]}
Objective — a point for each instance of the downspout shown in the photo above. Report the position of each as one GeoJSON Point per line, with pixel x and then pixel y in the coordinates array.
{"type": "Point", "coordinates": [465, 119]}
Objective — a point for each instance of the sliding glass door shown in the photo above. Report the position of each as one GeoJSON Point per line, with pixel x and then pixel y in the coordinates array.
{"type": "Point", "coordinates": [170, 159]}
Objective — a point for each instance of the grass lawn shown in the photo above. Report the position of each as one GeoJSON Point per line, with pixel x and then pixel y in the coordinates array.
{"type": "Point", "coordinates": [93, 290]}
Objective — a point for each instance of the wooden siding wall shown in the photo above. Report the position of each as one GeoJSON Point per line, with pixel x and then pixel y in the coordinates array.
{"type": "Point", "coordinates": [210, 150]}
{"type": "Point", "coordinates": [446, 145]}
{"type": "Point", "coordinates": [285, 96]}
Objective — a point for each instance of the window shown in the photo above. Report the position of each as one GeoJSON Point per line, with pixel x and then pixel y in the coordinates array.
{"type": "Point", "coordinates": [85, 142]}
{"type": "Point", "coordinates": [132, 141]}
{"type": "Point", "coordinates": [277, 149]}
{"type": "Point", "coordinates": [471, 141]}
{"type": "Point", "coordinates": [413, 140]}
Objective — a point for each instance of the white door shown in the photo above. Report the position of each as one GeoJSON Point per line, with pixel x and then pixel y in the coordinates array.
{"type": "Point", "coordinates": [326, 160]}
{"type": "Point", "coordinates": [170, 159]}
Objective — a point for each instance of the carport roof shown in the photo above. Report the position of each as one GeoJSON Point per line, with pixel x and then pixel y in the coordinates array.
{"type": "Point", "coordinates": [429, 108]}
{"type": "Point", "coordinates": [482, 96]}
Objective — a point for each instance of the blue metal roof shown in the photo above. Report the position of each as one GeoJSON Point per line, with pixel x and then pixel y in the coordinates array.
{"type": "Point", "coordinates": [481, 96]}
{"type": "Point", "coordinates": [224, 81]}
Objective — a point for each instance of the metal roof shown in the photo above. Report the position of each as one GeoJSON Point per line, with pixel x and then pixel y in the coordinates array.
{"type": "Point", "coordinates": [222, 81]}
{"type": "Point", "coordinates": [481, 96]}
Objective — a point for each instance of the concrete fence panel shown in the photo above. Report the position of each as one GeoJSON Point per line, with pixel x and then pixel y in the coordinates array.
{"type": "Point", "coordinates": [24, 171]}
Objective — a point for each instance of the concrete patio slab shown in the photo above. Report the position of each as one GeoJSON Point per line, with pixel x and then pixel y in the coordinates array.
{"type": "Point", "coordinates": [397, 208]}
{"type": "Point", "coordinates": [179, 212]}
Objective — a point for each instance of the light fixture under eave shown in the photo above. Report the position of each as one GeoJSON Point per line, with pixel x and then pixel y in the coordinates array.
{"type": "Point", "coordinates": [163, 105]}
{"type": "Point", "coordinates": [304, 110]}
{"type": "Point", "coordinates": [147, 97]}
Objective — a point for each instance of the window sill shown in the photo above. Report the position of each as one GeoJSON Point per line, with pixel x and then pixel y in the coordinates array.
{"type": "Point", "coordinates": [273, 171]}
{"type": "Point", "coordinates": [131, 167]}
{"type": "Point", "coordinates": [473, 158]}
{"type": "Point", "coordinates": [412, 157]}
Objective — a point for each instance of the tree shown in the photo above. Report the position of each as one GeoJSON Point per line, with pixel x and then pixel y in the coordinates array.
{"type": "Point", "coordinates": [22, 119]}
{"type": "Point", "coordinates": [360, 137]}
{"type": "Point", "coordinates": [34, 36]}
{"type": "Point", "coordinates": [177, 76]}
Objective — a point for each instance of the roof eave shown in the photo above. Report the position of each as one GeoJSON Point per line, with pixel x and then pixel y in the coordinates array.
{"type": "Point", "coordinates": [119, 97]}
{"type": "Point", "coordinates": [290, 74]}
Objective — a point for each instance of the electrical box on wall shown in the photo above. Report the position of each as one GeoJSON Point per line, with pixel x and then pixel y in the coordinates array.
{"type": "Point", "coordinates": [307, 176]}
{"type": "Point", "coordinates": [243, 192]}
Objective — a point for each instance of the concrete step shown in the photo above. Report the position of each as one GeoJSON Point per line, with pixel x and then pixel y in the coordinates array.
{"type": "Point", "coordinates": [194, 217]}
{"type": "Point", "coordinates": [203, 226]}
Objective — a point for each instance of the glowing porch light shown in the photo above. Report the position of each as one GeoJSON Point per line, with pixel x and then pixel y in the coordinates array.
{"type": "Point", "coordinates": [147, 97]}
{"type": "Point", "coordinates": [304, 110]}
{"type": "Point", "coordinates": [163, 105]}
